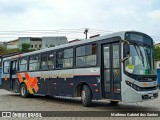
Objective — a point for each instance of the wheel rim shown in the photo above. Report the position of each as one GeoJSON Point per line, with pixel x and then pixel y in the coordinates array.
{"type": "Point", "coordinates": [83, 95]}
{"type": "Point", "coordinates": [23, 90]}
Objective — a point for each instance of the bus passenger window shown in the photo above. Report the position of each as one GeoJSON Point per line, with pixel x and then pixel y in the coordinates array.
{"type": "Point", "coordinates": [6, 67]}
{"type": "Point", "coordinates": [59, 64]}
{"type": "Point", "coordinates": [64, 58]}
{"type": "Point", "coordinates": [51, 61]}
{"type": "Point", "coordinates": [86, 55]}
{"type": "Point", "coordinates": [34, 63]}
{"type": "Point", "coordinates": [80, 62]}
{"type": "Point", "coordinates": [23, 64]}
{"type": "Point", "coordinates": [68, 58]}
{"type": "Point", "coordinates": [44, 65]}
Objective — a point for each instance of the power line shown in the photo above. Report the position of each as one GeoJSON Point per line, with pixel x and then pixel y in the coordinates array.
{"type": "Point", "coordinates": [10, 34]}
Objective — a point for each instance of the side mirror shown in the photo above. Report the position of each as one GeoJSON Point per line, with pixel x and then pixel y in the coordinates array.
{"type": "Point", "coordinates": [126, 49]}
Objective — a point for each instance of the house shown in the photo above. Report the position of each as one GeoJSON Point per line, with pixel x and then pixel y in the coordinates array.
{"type": "Point", "coordinates": [11, 44]}
{"type": "Point", "coordinates": [37, 43]}
{"type": "Point", "coordinates": [53, 41]}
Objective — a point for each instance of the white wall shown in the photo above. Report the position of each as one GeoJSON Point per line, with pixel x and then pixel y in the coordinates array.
{"type": "Point", "coordinates": [157, 64]}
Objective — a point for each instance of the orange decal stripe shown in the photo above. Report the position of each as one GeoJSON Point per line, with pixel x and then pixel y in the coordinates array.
{"type": "Point", "coordinates": [34, 82]}
{"type": "Point", "coordinates": [31, 82]}
{"type": "Point", "coordinates": [20, 78]}
{"type": "Point", "coordinates": [27, 76]}
{"type": "Point", "coordinates": [30, 90]}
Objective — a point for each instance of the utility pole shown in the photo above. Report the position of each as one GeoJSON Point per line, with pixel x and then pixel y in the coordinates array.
{"type": "Point", "coordinates": [86, 31]}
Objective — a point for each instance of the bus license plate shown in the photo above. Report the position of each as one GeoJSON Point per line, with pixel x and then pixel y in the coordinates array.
{"type": "Point", "coordinates": [150, 94]}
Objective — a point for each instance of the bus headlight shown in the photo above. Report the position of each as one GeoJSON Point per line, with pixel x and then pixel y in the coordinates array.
{"type": "Point", "coordinates": [133, 86]}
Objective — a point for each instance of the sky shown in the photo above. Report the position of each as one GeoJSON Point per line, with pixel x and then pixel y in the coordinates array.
{"type": "Point", "coordinates": [70, 17]}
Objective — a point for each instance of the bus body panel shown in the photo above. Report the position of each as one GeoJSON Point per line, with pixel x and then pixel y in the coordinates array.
{"type": "Point", "coordinates": [129, 94]}
{"type": "Point", "coordinates": [63, 83]}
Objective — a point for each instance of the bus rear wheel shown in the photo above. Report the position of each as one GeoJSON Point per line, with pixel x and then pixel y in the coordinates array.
{"type": "Point", "coordinates": [86, 96]}
{"type": "Point", "coordinates": [23, 91]}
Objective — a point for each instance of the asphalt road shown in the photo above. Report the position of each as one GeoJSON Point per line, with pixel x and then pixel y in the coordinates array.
{"type": "Point", "coordinates": [13, 102]}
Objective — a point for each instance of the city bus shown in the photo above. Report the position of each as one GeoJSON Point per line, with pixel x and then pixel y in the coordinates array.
{"type": "Point", "coordinates": [118, 67]}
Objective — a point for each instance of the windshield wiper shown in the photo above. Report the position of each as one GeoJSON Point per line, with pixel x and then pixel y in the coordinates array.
{"type": "Point", "coordinates": [141, 55]}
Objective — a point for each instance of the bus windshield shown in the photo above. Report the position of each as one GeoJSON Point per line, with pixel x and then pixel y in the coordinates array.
{"type": "Point", "coordinates": [140, 60]}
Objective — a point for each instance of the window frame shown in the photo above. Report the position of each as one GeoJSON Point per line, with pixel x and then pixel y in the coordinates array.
{"type": "Point", "coordinates": [6, 66]}
{"type": "Point", "coordinates": [48, 53]}
{"type": "Point", "coordinates": [22, 64]}
{"type": "Point", "coordinates": [51, 52]}
{"type": "Point", "coordinates": [71, 47]}
{"type": "Point", "coordinates": [45, 61]}
{"type": "Point", "coordinates": [34, 62]}
{"type": "Point", "coordinates": [91, 43]}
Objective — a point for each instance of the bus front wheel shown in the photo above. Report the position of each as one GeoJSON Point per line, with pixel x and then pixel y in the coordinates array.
{"type": "Point", "coordinates": [23, 91]}
{"type": "Point", "coordinates": [86, 96]}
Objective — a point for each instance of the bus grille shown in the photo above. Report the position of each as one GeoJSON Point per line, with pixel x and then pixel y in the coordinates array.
{"type": "Point", "coordinates": [147, 79]}
{"type": "Point", "coordinates": [148, 88]}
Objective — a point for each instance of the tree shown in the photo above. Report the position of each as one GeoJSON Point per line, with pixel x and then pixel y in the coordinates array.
{"type": "Point", "coordinates": [157, 53]}
{"type": "Point", "coordinates": [25, 47]}
{"type": "Point", "coordinates": [2, 50]}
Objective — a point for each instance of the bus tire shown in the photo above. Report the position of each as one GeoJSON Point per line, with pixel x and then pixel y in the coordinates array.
{"type": "Point", "coordinates": [23, 91]}
{"type": "Point", "coordinates": [114, 102]}
{"type": "Point", "coordinates": [86, 96]}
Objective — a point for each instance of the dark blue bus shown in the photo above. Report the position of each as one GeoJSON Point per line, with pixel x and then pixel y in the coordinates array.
{"type": "Point", "coordinates": [116, 67]}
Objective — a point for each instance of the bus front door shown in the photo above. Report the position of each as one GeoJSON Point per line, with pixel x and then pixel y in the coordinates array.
{"type": "Point", "coordinates": [13, 73]}
{"type": "Point", "coordinates": [111, 76]}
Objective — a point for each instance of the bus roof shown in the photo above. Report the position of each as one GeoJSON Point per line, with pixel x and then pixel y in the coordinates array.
{"type": "Point", "coordinates": [116, 34]}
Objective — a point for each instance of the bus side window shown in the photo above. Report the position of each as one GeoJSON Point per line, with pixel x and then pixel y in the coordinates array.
{"type": "Point", "coordinates": [44, 65]}
{"type": "Point", "coordinates": [6, 67]}
{"type": "Point", "coordinates": [86, 55]}
{"type": "Point", "coordinates": [51, 61]}
{"type": "Point", "coordinates": [64, 58]}
{"type": "Point", "coordinates": [79, 62]}
{"type": "Point", "coordinates": [34, 62]}
{"type": "Point", "coordinates": [59, 57]}
{"type": "Point", "coordinates": [23, 62]}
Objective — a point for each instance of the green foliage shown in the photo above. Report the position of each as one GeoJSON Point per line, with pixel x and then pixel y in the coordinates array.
{"type": "Point", "coordinates": [157, 53]}
{"type": "Point", "coordinates": [25, 47]}
{"type": "Point", "coordinates": [15, 50]}
{"type": "Point", "coordinates": [4, 51]}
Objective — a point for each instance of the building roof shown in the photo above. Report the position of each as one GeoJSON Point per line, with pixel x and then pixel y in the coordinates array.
{"type": "Point", "coordinates": [12, 41]}
{"type": "Point", "coordinates": [157, 44]}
